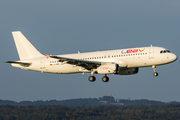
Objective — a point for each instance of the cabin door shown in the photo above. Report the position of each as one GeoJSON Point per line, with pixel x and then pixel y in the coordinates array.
{"type": "Point", "coordinates": [42, 63]}
{"type": "Point", "coordinates": [151, 53]}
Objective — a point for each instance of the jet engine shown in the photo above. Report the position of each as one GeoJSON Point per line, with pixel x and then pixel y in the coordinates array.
{"type": "Point", "coordinates": [128, 71]}
{"type": "Point", "coordinates": [108, 69]}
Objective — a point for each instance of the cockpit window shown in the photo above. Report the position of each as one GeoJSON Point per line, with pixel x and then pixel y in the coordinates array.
{"type": "Point", "coordinates": [164, 51]}
{"type": "Point", "coordinates": [168, 51]}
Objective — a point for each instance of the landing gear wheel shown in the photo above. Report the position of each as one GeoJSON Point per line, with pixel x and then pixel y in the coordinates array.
{"type": "Point", "coordinates": [105, 79]}
{"type": "Point", "coordinates": [154, 69]}
{"type": "Point", "coordinates": [155, 74]}
{"type": "Point", "coordinates": [92, 78]}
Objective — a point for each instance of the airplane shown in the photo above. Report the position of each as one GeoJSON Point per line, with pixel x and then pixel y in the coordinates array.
{"type": "Point", "coordinates": [118, 62]}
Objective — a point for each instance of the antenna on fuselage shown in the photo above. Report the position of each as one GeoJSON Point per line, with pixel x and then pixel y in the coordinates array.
{"type": "Point", "coordinates": [151, 45]}
{"type": "Point", "coordinates": [78, 52]}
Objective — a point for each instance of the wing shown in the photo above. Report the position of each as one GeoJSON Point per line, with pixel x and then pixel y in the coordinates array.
{"type": "Point", "coordinates": [83, 63]}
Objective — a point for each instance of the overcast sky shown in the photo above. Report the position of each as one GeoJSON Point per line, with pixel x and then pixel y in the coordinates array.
{"type": "Point", "coordinates": [68, 26]}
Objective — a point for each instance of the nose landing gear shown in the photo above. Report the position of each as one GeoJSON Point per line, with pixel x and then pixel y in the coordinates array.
{"type": "Point", "coordinates": [154, 69]}
{"type": "Point", "coordinates": [155, 74]}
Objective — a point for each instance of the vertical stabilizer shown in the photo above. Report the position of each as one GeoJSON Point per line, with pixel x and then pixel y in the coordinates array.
{"type": "Point", "coordinates": [25, 49]}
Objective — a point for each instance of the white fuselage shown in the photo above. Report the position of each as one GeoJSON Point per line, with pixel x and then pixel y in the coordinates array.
{"type": "Point", "coordinates": [130, 58]}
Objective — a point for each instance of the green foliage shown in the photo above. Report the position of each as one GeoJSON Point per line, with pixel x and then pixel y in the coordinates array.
{"type": "Point", "coordinates": [155, 112]}
{"type": "Point", "coordinates": [72, 102]}
{"type": "Point", "coordinates": [86, 102]}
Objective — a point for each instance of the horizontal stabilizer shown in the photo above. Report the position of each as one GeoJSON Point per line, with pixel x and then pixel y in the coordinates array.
{"type": "Point", "coordinates": [21, 63]}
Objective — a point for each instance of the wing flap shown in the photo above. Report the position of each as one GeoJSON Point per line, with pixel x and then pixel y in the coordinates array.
{"type": "Point", "coordinates": [86, 64]}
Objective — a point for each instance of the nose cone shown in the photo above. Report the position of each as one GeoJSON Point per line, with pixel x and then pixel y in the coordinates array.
{"type": "Point", "coordinates": [174, 57]}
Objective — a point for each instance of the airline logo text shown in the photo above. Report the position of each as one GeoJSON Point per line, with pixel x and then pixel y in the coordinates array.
{"type": "Point", "coordinates": [133, 51]}
{"type": "Point", "coordinates": [106, 68]}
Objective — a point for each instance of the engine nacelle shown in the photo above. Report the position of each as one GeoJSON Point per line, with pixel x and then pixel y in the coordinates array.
{"type": "Point", "coordinates": [107, 69]}
{"type": "Point", "coordinates": [128, 71]}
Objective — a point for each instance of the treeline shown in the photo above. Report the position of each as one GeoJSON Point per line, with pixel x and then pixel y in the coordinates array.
{"type": "Point", "coordinates": [69, 103]}
{"type": "Point", "coordinates": [85, 102]}
{"type": "Point", "coordinates": [155, 112]}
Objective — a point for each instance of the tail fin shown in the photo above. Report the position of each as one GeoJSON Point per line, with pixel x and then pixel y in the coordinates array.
{"type": "Point", "coordinates": [25, 49]}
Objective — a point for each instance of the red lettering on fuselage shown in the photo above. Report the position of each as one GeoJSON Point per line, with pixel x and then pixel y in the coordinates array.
{"type": "Point", "coordinates": [106, 68]}
{"type": "Point", "coordinates": [133, 51]}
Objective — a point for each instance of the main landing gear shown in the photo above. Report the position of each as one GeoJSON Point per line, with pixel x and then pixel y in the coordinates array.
{"type": "Point", "coordinates": [154, 69]}
{"type": "Point", "coordinates": [105, 79]}
{"type": "Point", "coordinates": [92, 78]}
